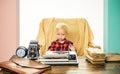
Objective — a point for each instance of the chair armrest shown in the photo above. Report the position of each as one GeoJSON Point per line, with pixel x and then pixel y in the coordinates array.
{"type": "Point", "coordinates": [92, 45]}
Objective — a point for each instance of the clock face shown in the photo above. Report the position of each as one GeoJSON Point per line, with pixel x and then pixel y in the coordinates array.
{"type": "Point", "coordinates": [21, 52]}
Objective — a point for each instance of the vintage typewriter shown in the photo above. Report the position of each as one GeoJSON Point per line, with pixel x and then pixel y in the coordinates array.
{"type": "Point", "coordinates": [59, 58]}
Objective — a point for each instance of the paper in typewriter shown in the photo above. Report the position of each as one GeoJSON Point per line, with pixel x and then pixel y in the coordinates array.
{"type": "Point", "coordinates": [56, 54]}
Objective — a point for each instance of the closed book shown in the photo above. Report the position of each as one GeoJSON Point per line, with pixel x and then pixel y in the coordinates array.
{"type": "Point", "coordinates": [95, 59]}
{"type": "Point", "coordinates": [95, 62]}
{"type": "Point", "coordinates": [96, 53]}
{"type": "Point", "coordinates": [112, 56]}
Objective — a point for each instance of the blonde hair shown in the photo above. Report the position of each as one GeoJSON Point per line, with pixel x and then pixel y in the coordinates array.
{"type": "Point", "coordinates": [62, 26]}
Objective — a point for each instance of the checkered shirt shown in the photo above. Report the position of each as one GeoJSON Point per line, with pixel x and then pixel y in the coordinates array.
{"type": "Point", "coordinates": [57, 46]}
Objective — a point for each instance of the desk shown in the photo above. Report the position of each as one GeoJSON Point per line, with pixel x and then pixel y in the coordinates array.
{"type": "Point", "coordinates": [85, 67]}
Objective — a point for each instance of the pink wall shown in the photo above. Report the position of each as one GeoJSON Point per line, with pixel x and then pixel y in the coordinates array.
{"type": "Point", "coordinates": [9, 28]}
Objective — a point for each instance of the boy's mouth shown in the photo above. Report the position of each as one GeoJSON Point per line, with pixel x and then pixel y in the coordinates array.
{"type": "Point", "coordinates": [61, 39]}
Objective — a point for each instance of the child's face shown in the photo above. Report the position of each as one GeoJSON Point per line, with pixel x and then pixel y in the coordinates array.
{"type": "Point", "coordinates": [61, 34]}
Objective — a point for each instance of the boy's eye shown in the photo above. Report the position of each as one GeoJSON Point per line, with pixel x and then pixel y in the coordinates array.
{"type": "Point", "coordinates": [63, 34]}
{"type": "Point", "coordinates": [58, 34]}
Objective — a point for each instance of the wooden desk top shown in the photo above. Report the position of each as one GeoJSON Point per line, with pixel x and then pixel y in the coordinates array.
{"type": "Point", "coordinates": [86, 68]}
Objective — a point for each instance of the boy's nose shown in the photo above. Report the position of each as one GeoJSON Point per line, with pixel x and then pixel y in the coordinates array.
{"type": "Point", "coordinates": [60, 36]}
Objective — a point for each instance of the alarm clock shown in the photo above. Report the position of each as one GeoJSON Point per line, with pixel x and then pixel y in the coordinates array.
{"type": "Point", "coordinates": [21, 51]}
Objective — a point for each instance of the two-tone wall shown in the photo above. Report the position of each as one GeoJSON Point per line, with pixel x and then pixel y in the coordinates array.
{"type": "Point", "coordinates": [9, 28]}
{"type": "Point", "coordinates": [112, 26]}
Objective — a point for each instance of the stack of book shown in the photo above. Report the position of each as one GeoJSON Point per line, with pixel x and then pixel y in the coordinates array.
{"type": "Point", "coordinates": [95, 56]}
{"type": "Point", "coordinates": [112, 57]}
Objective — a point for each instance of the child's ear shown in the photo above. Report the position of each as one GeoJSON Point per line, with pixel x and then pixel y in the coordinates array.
{"type": "Point", "coordinates": [67, 34]}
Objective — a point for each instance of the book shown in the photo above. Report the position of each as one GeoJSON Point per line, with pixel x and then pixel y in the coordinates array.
{"type": "Point", "coordinates": [95, 59]}
{"type": "Point", "coordinates": [95, 62]}
{"type": "Point", "coordinates": [95, 53]}
{"type": "Point", "coordinates": [95, 56]}
{"type": "Point", "coordinates": [112, 56]}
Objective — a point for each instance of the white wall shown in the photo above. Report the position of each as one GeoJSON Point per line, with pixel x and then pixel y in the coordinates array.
{"type": "Point", "coordinates": [33, 11]}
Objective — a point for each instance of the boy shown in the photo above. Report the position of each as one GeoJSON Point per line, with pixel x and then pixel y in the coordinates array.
{"type": "Point", "coordinates": [61, 44]}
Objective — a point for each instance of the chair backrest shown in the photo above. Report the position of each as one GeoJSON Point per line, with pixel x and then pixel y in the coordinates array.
{"type": "Point", "coordinates": [79, 33]}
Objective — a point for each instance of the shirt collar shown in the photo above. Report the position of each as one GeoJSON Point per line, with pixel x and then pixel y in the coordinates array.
{"type": "Point", "coordinates": [63, 40]}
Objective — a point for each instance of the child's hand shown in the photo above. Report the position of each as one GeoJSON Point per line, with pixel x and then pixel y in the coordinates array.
{"type": "Point", "coordinates": [72, 48]}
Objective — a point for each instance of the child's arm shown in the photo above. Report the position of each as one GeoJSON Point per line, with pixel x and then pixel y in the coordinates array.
{"type": "Point", "coordinates": [71, 46]}
{"type": "Point", "coordinates": [51, 47]}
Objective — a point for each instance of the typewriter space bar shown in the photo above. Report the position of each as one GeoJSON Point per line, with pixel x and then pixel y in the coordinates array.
{"type": "Point", "coordinates": [61, 63]}
{"type": "Point", "coordinates": [54, 60]}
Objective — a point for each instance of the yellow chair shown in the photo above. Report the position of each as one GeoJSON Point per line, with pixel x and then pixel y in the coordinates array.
{"type": "Point", "coordinates": [79, 33]}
